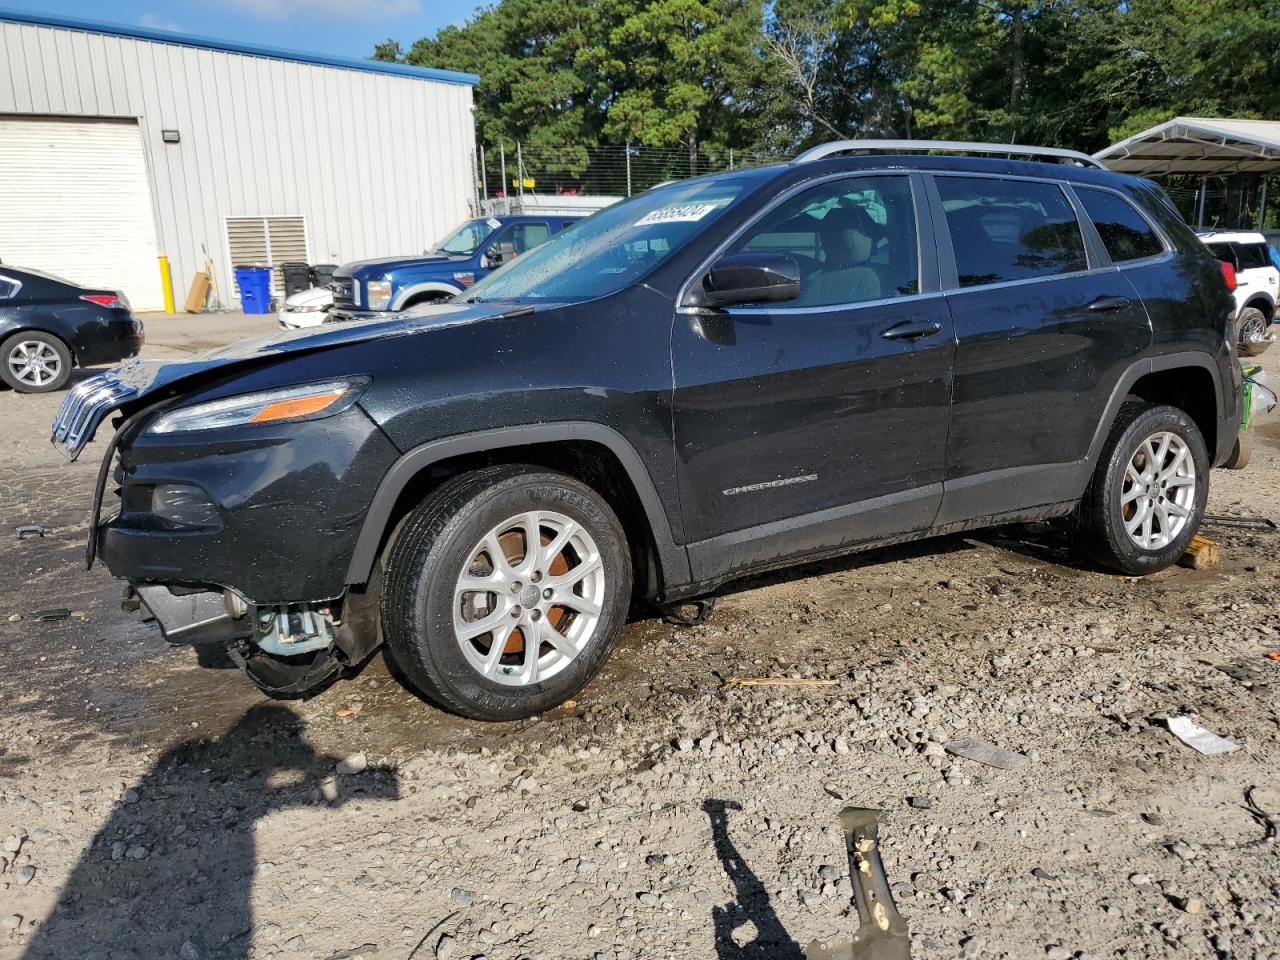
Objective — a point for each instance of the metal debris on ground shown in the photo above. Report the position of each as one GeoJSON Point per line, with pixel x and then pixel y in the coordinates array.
{"type": "Point", "coordinates": [1201, 552]}
{"type": "Point", "coordinates": [1269, 819]}
{"type": "Point", "coordinates": [27, 530]}
{"type": "Point", "coordinates": [882, 932]}
{"type": "Point", "coordinates": [1198, 738]}
{"type": "Point", "coordinates": [777, 682]}
{"type": "Point", "coordinates": [61, 613]}
{"type": "Point", "coordinates": [981, 752]}
{"type": "Point", "coordinates": [1250, 523]}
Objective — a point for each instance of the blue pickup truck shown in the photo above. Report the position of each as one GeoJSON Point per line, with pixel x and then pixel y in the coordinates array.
{"type": "Point", "coordinates": [469, 253]}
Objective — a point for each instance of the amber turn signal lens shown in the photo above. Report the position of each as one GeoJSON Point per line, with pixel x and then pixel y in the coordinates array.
{"type": "Point", "coordinates": [299, 407]}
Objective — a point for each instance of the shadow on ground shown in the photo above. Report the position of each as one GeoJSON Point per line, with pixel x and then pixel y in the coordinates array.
{"type": "Point", "coordinates": [750, 909]}
{"type": "Point", "coordinates": [175, 864]}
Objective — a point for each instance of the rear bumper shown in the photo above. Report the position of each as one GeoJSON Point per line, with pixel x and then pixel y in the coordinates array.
{"type": "Point", "coordinates": [110, 342]}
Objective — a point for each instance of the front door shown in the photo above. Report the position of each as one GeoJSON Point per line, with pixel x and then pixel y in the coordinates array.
{"type": "Point", "coordinates": [816, 423]}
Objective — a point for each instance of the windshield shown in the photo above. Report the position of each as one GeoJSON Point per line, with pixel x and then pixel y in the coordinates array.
{"type": "Point", "coordinates": [617, 245]}
{"type": "Point", "coordinates": [466, 240]}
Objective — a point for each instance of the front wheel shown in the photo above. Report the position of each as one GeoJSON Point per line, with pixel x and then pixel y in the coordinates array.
{"type": "Point", "coordinates": [506, 591]}
{"type": "Point", "coordinates": [1147, 496]}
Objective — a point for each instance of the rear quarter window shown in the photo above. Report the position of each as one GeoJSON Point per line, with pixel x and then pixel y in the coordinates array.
{"type": "Point", "coordinates": [1010, 229]}
{"type": "Point", "coordinates": [1124, 231]}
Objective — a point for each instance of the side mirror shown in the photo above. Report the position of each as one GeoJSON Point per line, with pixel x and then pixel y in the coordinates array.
{"type": "Point", "coordinates": [493, 256]}
{"type": "Point", "coordinates": [739, 278]}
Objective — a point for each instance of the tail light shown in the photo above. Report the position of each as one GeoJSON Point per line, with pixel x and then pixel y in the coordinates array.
{"type": "Point", "coordinates": [112, 300]}
{"type": "Point", "coordinates": [1228, 274]}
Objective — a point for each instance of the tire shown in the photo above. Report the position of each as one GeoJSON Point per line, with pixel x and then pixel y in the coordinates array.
{"type": "Point", "coordinates": [1251, 331]}
{"type": "Point", "coordinates": [18, 371]}
{"type": "Point", "coordinates": [1101, 518]}
{"type": "Point", "coordinates": [1242, 452]}
{"type": "Point", "coordinates": [426, 608]}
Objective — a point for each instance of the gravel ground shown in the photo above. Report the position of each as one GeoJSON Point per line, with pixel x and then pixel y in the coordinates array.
{"type": "Point", "coordinates": [154, 808]}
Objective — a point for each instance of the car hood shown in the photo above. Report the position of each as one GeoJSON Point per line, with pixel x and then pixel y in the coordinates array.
{"type": "Point", "coordinates": [388, 264]}
{"type": "Point", "coordinates": [137, 383]}
{"type": "Point", "coordinates": [310, 298]}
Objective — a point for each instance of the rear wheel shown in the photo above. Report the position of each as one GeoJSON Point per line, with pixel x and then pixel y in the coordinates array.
{"type": "Point", "coordinates": [506, 591]}
{"type": "Point", "coordinates": [1251, 331]}
{"type": "Point", "coordinates": [35, 362]}
{"type": "Point", "coordinates": [1147, 496]}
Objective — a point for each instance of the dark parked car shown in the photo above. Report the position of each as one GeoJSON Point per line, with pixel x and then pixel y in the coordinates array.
{"type": "Point", "coordinates": [721, 376]}
{"type": "Point", "coordinates": [48, 326]}
{"type": "Point", "coordinates": [467, 255]}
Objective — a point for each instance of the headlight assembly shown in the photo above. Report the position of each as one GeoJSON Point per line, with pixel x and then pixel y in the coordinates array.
{"type": "Point", "coordinates": [377, 294]}
{"type": "Point", "coordinates": [309, 401]}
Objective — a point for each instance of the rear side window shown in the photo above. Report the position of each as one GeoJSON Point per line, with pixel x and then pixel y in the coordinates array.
{"type": "Point", "coordinates": [7, 288]}
{"type": "Point", "coordinates": [1124, 231]}
{"type": "Point", "coordinates": [1010, 229]}
{"type": "Point", "coordinates": [526, 236]}
{"type": "Point", "coordinates": [1223, 251]}
{"type": "Point", "coordinates": [1250, 256]}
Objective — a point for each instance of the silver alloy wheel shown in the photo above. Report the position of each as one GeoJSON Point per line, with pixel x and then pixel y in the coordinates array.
{"type": "Point", "coordinates": [529, 598]}
{"type": "Point", "coordinates": [1253, 330]}
{"type": "Point", "coordinates": [34, 362]}
{"type": "Point", "coordinates": [1159, 490]}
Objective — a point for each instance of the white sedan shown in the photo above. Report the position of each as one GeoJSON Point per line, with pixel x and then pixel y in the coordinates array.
{"type": "Point", "coordinates": [306, 308]}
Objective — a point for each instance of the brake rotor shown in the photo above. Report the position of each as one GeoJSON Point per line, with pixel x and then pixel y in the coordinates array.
{"type": "Point", "coordinates": [512, 544]}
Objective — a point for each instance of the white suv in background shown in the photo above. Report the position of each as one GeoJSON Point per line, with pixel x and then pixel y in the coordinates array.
{"type": "Point", "coordinates": [1257, 284]}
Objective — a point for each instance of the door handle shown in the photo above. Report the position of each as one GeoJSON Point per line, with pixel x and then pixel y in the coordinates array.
{"type": "Point", "coordinates": [911, 330]}
{"type": "Point", "coordinates": [1107, 304]}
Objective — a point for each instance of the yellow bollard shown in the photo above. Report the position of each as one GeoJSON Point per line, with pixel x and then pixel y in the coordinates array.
{"type": "Point", "coordinates": [166, 281]}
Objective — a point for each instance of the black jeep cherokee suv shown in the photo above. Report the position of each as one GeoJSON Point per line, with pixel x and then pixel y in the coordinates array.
{"type": "Point", "coordinates": [723, 375]}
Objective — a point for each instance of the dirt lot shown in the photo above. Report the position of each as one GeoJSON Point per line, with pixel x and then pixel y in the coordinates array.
{"type": "Point", "coordinates": [150, 807]}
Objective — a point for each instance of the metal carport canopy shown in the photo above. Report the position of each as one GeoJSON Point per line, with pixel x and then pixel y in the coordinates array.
{"type": "Point", "coordinates": [1198, 145]}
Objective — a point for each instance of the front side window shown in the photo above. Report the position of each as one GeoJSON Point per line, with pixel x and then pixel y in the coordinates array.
{"type": "Point", "coordinates": [1124, 231]}
{"type": "Point", "coordinates": [618, 245]}
{"type": "Point", "coordinates": [466, 240]}
{"type": "Point", "coordinates": [1010, 229]}
{"type": "Point", "coordinates": [854, 240]}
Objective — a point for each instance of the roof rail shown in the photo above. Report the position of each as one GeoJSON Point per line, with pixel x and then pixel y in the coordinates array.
{"type": "Point", "coordinates": [824, 150]}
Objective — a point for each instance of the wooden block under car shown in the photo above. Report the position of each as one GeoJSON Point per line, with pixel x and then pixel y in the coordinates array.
{"type": "Point", "coordinates": [1201, 552]}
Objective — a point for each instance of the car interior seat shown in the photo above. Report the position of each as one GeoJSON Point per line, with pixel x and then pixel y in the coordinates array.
{"type": "Point", "coordinates": [848, 243]}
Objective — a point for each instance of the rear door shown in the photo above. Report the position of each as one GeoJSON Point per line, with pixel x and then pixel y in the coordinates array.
{"type": "Point", "coordinates": [814, 423]}
{"type": "Point", "coordinates": [1044, 326]}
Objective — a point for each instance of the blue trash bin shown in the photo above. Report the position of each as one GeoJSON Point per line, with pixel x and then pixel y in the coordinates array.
{"type": "Point", "coordinates": [255, 289]}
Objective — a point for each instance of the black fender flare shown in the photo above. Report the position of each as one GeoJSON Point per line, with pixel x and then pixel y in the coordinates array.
{"type": "Point", "coordinates": [1135, 372]}
{"type": "Point", "coordinates": [673, 560]}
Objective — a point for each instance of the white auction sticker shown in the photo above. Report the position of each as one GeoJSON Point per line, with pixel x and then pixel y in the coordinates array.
{"type": "Point", "coordinates": [494, 222]}
{"type": "Point", "coordinates": [684, 213]}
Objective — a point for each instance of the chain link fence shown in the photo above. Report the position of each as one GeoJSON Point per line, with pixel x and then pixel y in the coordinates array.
{"type": "Point", "coordinates": [512, 176]}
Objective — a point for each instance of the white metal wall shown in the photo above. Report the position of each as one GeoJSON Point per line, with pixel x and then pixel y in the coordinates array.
{"type": "Point", "coordinates": [378, 164]}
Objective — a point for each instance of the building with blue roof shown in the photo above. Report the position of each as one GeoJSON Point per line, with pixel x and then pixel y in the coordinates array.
{"type": "Point", "coordinates": [121, 145]}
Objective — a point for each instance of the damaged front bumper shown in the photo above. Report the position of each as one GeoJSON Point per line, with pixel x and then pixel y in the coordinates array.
{"type": "Point", "coordinates": [272, 514]}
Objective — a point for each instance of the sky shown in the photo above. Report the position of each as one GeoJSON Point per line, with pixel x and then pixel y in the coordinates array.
{"type": "Point", "coordinates": [347, 28]}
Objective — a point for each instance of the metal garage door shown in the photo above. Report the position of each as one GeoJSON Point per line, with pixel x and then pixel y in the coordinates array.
{"type": "Point", "coordinates": [76, 203]}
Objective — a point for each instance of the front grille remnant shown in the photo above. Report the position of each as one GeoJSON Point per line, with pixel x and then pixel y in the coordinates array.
{"type": "Point", "coordinates": [83, 409]}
